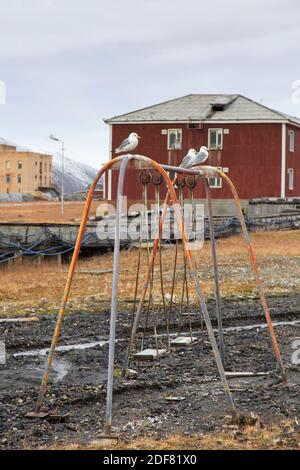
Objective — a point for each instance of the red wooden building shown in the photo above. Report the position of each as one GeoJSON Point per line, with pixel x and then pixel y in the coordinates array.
{"type": "Point", "coordinates": [258, 147]}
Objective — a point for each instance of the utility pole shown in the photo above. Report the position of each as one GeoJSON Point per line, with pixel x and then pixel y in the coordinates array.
{"type": "Point", "coordinates": [56, 139]}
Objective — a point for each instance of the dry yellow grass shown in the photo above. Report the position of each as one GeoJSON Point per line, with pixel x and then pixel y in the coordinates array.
{"type": "Point", "coordinates": [23, 287]}
{"type": "Point", "coordinates": [43, 211]}
{"type": "Point", "coordinates": [250, 438]}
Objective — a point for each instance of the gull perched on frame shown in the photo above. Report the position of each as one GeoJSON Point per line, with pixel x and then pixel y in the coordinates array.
{"type": "Point", "coordinates": [189, 160]}
{"type": "Point", "coordinates": [129, 144]}
{"type": "Point", "coordinates": [201, 156]}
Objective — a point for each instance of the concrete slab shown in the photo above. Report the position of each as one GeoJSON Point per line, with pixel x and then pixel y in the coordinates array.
{"type": "Point", "coordinates": [184, 341]}
{"type": "Point", "coordinates": [18, 320]}
{"type": "Point", "coordinates": [245, 374]}
{"type": "Point", "coordinates": [105, 441]}
{"type": "Point", "coordinates": [90, 271]}
{"type": "Point", "coordinates": [150, 354]}
{"type": "Point", "coordinates": [174, 398]}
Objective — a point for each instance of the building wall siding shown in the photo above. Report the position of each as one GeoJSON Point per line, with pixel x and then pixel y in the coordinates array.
{"type": "Point", "coordinates": [293, 162]}
{"type": "Point", "coordinates": [251, 152]}
{"type": "Point", "coordinates": [32, 175]}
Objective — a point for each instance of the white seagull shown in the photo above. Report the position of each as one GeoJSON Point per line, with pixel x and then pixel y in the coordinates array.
{"type": "Point", "coordinates": [189, 160]}
{"type": "Point", "coordinates": [129, 144]}
{"type": "Point", "coordinates": [202, 156]}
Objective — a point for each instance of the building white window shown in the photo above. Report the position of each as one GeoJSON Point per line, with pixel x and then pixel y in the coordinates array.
{"type": "Point", "coordinates": [20, 165]}
{"type": "Point", "coordinates": [292, 141]}
{"type": "Point", "coordinates": [8, 179]}
{"type": "Point", "coordinates": [215, 139]}
{"type": "Point", "coordinates": [215, 182]}
{"type": "Point", "coordinates": [19, 179]}
{"type": "Point", "coordinates": [8, 165]}
{"type": "Point", "coordinates": [174, 139]}
{"type": "Point", "coordinates": [291, 179]}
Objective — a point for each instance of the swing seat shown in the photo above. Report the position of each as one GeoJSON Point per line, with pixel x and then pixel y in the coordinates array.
{"type": "Point", "coordinates": [150, 354]}
{"type": "Point", "coordinates": [184, 341]}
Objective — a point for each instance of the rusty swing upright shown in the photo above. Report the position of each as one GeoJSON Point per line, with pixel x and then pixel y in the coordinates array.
{"type": "Point", "coordinates": [162, 176]}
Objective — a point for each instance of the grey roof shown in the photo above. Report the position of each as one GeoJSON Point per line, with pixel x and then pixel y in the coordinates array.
{"type": "Point", "coordinates": [205, 108]}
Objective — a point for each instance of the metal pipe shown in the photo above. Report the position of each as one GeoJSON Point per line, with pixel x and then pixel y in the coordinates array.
{"type": "Point", "coordinates": [185, 171]}
{"type": "Point", "coordinates": [114, 298]}
{"type": "Point", "coordinates": [56, 139]}
{"type": "Point", "coordinates": [211, 335]}
{"type": "Point", "coordinates": [216, 271]}
{"type": "Point", "coordinates": [62, 178]}
{"type": "Point", "coordinates": [161, 264]}
{"type": "Point", "coordinates": [207, 321]}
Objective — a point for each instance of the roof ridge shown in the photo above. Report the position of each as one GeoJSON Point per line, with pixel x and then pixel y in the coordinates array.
{"type": "Point", "coordinates": [153, 111]}
{"type": "Point", "coordinates": [290, 117]}
{"type": "Point", "coordinates": [279, 113]}
{"type": "Point", "coordinates": [148, 107]}
{"type": "Point", "coordinates": [170, 101]}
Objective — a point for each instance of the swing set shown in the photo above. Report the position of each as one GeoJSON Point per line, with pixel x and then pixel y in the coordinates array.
{"type": "Point", "coordinates": [150, 170]}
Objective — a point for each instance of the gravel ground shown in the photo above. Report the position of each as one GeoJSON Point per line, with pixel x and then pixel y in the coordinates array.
{"type": "Point", "coordinates": [144, 404]}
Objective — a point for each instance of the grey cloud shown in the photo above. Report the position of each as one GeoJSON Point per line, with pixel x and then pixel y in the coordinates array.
{"type": "Point", "coordinates": [68, 63]}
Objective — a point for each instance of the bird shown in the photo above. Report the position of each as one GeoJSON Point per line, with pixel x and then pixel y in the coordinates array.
{"type": "Point", "coordinates": [129, 144]}
{"type": "Point", "coordinates": [189, 159]}
{"type": "Point", "coordinates": [201, 156]}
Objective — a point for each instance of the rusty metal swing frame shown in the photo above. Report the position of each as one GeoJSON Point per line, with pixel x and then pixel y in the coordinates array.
{"type": "Point", "coordinates": [204, 172]}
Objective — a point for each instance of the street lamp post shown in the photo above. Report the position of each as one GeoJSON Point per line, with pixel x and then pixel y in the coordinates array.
{"type": "Point", "coordinates": [52, 137]}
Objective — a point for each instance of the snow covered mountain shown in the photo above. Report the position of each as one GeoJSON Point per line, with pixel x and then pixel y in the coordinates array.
{"type": "Point", "coordinates": [77, 175]}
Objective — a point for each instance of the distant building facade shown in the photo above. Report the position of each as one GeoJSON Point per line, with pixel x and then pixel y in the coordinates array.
{"type": "Point", "coordinates": [23, 171]}
{"type": "Point", "coordinates": [258, 147]}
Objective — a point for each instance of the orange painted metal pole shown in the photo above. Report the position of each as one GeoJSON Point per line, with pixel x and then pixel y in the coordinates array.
{"type": "Point", "coordinates": [70, 276]}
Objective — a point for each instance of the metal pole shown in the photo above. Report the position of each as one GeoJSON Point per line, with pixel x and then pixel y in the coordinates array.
{"type": "Point", "coordinates": [114, 299]}
{"type": "Point", "coordinates": [216, 271]}
{"type": "Point", "coordinates": [211, 336]}
{"type": "Point", "coordinates": [62, 176]}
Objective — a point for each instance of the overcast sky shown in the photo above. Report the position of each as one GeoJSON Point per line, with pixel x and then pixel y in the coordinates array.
{"type": "Point", "coordinates": [67, 64]}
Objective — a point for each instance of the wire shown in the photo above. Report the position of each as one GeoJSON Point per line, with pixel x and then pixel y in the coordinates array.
{"type": "Point", "coordinates": [45, 251]}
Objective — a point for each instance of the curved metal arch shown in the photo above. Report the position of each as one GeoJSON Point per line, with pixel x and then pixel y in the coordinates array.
{"type": "Point", "coordinates": [172, 194]}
